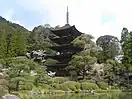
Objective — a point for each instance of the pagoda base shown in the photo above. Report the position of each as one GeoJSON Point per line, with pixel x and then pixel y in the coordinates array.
{"type": "Point", "coordinates": [58, 71]}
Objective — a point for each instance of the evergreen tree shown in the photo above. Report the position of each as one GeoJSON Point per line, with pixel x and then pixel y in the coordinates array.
{"type": "Point", "coordinates": [11, 45]}
{"type": "Point", "coordinates": [20, 44]}
{"type": "Point", "coordinates": [126, 43]}
{"type": "Point", "coordinates": [81, 62]}
{"type": "Point", "coordinates": [16, 44]}
{"type": "Point", "coordinates": [3, 45]}
{"type": "Point", "coordinates": [109, 48]}
{"type": "Point", "coordinates": [20, 72]}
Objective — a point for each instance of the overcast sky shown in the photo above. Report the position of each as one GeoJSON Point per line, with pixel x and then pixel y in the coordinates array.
{"type": "Point", "coordinates": [96, 17]}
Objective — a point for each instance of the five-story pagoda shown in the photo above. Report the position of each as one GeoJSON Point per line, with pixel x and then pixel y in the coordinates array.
{"type": "Point", "coordinates": [64, 49]}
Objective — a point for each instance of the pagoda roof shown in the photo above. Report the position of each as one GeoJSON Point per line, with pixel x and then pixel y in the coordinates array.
{"type": "Point", "coordinates": [57, 65]}
{"type": "Point", "coordinates": [63, 40]}
{"type": "Point", "coordinates": [61, 57]}
{"type": "Point", "coordinates": [66, 30]}
{"type": "Point", "coordinates": [66, 47]}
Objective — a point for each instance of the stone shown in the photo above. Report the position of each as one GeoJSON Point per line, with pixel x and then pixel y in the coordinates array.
{"type": "Point", "coordinates": [9, 96]}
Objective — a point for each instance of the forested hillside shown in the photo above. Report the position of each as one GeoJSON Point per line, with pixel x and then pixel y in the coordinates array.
{"type": "Point", "coordinates": [13, 39]}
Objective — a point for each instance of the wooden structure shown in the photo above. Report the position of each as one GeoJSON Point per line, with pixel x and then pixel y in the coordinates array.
{"type": "Point", "coordinates": [64, 49]}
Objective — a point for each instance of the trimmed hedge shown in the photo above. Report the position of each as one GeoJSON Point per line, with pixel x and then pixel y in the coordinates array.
{"type": "Point", "coordinates": [59, 80]}
{"type": "Point", "coordinates": [71, 85]}
{"type": "Point", "coordinates": [56, 86]}
{"type": "Point", "coordinates": [27, 86]}
{"type": "Point", "coordinates": [3, 91]}
{"type": "Point", "coordinates": [103, 85]}
{"type": "Point", "coordinates": [87, 86]}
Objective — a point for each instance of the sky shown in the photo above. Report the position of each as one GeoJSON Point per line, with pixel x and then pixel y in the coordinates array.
{"type": "Point", "coordinates": [95, 17]}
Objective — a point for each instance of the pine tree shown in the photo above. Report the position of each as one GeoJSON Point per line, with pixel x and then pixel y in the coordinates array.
{"type": "Point", "coordinates": [20, 44]}
{"type": "Point", "coordinates": [11, 44]}
{"type": "Point", "coordinates": [20, 72]}
{"type": "Point", "coordinates": [126, 43]}
{"type": "Point", "coordinates": [16, 44]}
{"type": "Point", "coordinates": [3, 45]}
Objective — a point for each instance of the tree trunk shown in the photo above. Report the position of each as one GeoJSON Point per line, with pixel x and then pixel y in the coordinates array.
{"type": "Point", "coordinates": [84, 73]}
{"type": "Point", "coordinates": [17, 85]}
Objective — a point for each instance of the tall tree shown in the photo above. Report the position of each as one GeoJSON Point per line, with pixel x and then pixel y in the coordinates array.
{"type": "Point", "coordinates": [20, 44]}
{"type": "Point", "coordinates": [20, 72]}
{"type": "Point", "coordinates": [16, 44]}
{"type": "Point", "coordinates": [110, 47]}
{"type": "Point", "coordinates": [81, 62]}
{"type": "Point", "coordinates": [3, 45]}
{"type": "Point", "coordinates": [126, 43]}
{"type": "Point", "coordinates": [11, 45]}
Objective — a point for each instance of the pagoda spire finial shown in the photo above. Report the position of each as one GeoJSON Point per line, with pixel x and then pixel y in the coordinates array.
{"type": "Point", "coordinates": [67, 16]}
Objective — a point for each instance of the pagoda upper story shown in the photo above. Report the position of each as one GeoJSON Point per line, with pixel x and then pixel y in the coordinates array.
{"type": "Point", "coordinates": [65, 34]}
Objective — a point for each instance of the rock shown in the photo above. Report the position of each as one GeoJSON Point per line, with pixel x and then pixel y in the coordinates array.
{"type": "Point", "coordinates": [9, 96]}
{"type": "Point", "coordinates": [51, 74]}
{"type": "Point", "coordinates": [98, 68]}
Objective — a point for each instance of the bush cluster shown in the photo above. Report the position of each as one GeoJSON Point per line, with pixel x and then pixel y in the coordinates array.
{"type": "Point", "coordinates": [103, 85]}
{"type": "Point", "coordinates": [88, 86]}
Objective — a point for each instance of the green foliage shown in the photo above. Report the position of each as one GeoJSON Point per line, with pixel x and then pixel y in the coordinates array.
{"type": "Point", "coordinates": [103, 85]}
{"type": "Point", "coordinates": [126, 43]}
{"type": "Point", "coordinates": [88, 86]}
{"type": "Point", "coordinates": [45, 86]}
{"type": "Point", "coordinates": [3, 45]}
{"type": "Point", "coordinates": [78, 85]}
{"type": "Point", "coordinates": [69, 85]}
{"type": "Point", "coordinates": [57, 86]}
{"type": "Point", "coordinates": [26, 86]}
{"type": "Point", "coordinates": [89, 81]}
{"type": "Point", "coordinates": [3, 91]}
{"type": "Point", "coordinates": [50, 61]}
{"type": "Point", "coordinates": [39, 38]}
{"type": "Point", "coordinates": [3, 85]}
{"type": "Point", "coordinates": [109, 47]}
{"type": "Point", "coordinates": [13, 39]}
{"type": "Point", "coordinates": [3, 82]}
{"type": "Point", "coordinates": [59, 80]}
{"type": "Point", "coordinates": [82, 61]}
{"type": "Point", "coordinates": [22, 68]}
{"type": "Point", "coordinates": [25, 96]}
{"type": "Point", "coordinates": [111, 71]}
{"type": "Point", "coordinates": [41, 77]}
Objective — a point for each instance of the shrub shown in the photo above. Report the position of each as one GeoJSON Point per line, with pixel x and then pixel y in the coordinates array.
{"type": "Point", "coordinates": [58, 92]}
{"type": "Point", "coordinates": [56, 86]}
{"type": "Point", "coordinates": [78, 85]}
{"type": "Point", "coordinates": [3, 91]}
{"type": "Point", "coordinates": [45, 86]}
{"type": "Point", "coordinates": [3, 82]}
{"type": "Point", "coordinates": [69, 85]}
{"type": "Point", "coordinates": [116, 86]}
{"type": "Point", "coordinates": [1, 76]}
{"type": "Point", "coordinates": [112, 87]}
{"type": "Point", "coordinates": [50, 61]}
{"type": "Point", "coordinates": [27, 86]}
{"type": "Point", "coordinates": [64, 87]}
{"type": "Point", "coordinates": [87, 86]}
{"type": "Point", "coordinates": [59, 80]}
{"type": "Point", "coordinates": [90, 81]}
{"type": "Point", "coordinates": [103, 85]}
{"type": "Point", "coordinates": [25, 96]}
